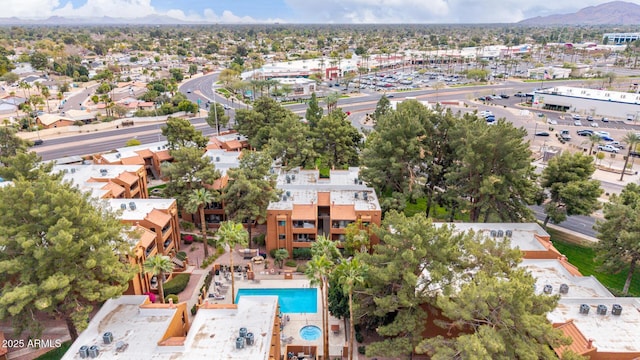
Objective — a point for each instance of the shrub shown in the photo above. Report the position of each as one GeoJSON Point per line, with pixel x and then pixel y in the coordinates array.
{"type": "Point", "coordinates": [177, 284]}
{"type": "Point", "coordinates": [259, 240]}
{"type": "Point", "coordinates": [272, 253]}
{"type": "Point", "coordinates": [187, 238]}
{"type": "Point", "coordinates": [302, 253]}
{"type": "Point", "coordinates": [181, 255]}
{"type": "Point", "coordinates": [173, 297]}
{"type": "Point", "coordinates": [359, 337]}
{"type": "Point", "coordinates": [187, 225]}
{"type": "Point", "coordinates": [302, 268]}
{"type": "Point", "coordinates": [208, 261]}
{"type": "Point", "coordinates": [194, 309]}
{"type": "Point", "coordinates": [361, 350]}
{"type": "Point", "coordinates": [291, 263]}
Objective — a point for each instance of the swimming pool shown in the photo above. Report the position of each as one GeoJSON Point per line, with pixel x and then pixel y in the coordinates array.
{"type": "Point", "coordinates": [293, 301]}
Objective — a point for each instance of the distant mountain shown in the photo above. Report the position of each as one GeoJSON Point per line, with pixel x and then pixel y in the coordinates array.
{"type": "Point", "coordinates": [611, 13]}
{"type": "Point", "coordinates": [105, 20]}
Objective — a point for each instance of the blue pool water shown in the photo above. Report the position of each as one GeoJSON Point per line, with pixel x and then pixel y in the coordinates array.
{"type": "Point", "coordinates": [291, 301]}
{"type": "Point", "coordinates": [310, 332]}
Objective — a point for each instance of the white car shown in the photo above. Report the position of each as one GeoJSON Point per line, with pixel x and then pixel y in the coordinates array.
{"type": "Point", "coordinates": [602, 133]}
{"type": "Point", "coordinates": [608, 148]}
{"type": "Point", "coordinates": [594, 124]}
{"type": "Point", "coordinates": [552, 122]}
{"type": "Point", "coordinates": [577, 123]}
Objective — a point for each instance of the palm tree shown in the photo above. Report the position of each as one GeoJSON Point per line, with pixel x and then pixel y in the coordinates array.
{"type": "Point", "coordinates": [594, 140]}
{"type": "Point", "coordinates": [159, 265]}
{"type": "Point", "coordinates": [231, 234]}
{"type": "Point", "coordinates": [197, 200]}
{"type": "Point", "coordinates": [46, 93]}
{"type": "Point", "coordinates": [318, 270]}
{"type": "Point", "coordinates": [332, 101]}
{"type": "Point", "coordinates": [279, 256]}
{"type": "Point", "coordinates": [632, 139]}
{"type": "Point", "coordinates": [351, 274]}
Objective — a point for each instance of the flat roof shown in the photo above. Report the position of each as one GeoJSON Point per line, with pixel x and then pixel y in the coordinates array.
{"type": "Point", "coordinates": [553, 272]}
{"type": "Point", "coordinates": [141, 208]}
{"type": "Point", "coordinates": [344, 187]}
{"type": "Point", "coordinates": [592, 94]}
{"type": "Point", "coordinates": [610, 333]}
{"type": "Point", "coordinates": [212, 333]}
{"type": "Point", "coordinates": [131, 151]}
{"type": "Point", "coordinates": [223, 160]}
{"type": "Point", "coordinates": [217, 330]}
{"type": "Point", "coordinates": [522, 234]}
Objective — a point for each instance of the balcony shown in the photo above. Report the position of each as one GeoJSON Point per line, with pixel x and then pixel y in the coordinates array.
{"type": "Point", "coordinates": [304, 224]}
{"type": "Point", "coordinates": [340, 224]}
{"type": "Point", "coordinates": [150, 249]}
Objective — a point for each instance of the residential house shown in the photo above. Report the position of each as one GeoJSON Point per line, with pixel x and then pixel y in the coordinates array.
{"type": "Point", "coordinates": [133, 328]}
{"type": "Point", "coordinates": [311, 206]}
{"type": "Point", "coordinates": [228, 141]}
{"type": "Point", "coordinates": [50, 121]}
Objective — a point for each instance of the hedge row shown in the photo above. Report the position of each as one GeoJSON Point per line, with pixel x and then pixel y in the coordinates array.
{"type": "Point", "coordinates": [177, 284]}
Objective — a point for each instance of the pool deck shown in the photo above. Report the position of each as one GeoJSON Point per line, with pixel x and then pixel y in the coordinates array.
{"type": "Point", "coordinates": [295, 322]}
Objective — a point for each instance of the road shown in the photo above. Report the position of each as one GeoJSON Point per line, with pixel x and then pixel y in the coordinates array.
{"type": "Point", "coordinates": [578, 223]}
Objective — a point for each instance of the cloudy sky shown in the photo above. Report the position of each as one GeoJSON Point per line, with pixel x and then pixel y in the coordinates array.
{"type": "Point", "coordinates": [302, 11]}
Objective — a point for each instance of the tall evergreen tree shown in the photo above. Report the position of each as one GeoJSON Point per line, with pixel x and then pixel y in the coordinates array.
{"type": "Point", "coordinates": [567, 179]}
{"type": "Point", "coordinates": [188, 171]}
{"type": "Point", "coordinates": [61, 254]}
{"type": "Point", "coordinates": [181, 133]}
{"type": "Point", "coordinates": [619, 234]}
{"type": "Point", "coordinates": [337, 141]}
{"type": "Point", "coordinates": [314, 111]}
{"type": "Point", "coordinates": [291, 143]}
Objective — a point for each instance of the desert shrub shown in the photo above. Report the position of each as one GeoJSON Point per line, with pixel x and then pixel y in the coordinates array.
{"type": "Point", "coordinates": [302, 253]}
{"type": "Point", "coordinates": [176, 285]}
{"type": "Point", "coordinates": [173, 297]}
{"type": "Point", "coordinates": [291, 263]}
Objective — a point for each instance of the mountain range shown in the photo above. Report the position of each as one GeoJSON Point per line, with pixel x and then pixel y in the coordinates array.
{"type": "Point", "coordinates": [611, 13]}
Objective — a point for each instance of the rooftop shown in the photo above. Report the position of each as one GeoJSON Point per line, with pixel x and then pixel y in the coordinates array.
{"type": "Point", "coordinates": [344, 186]}
{"type": "Point", "coordinates": [523, 235]}
{"type": "Point", "coordinates": [223, 160]}
{"type": "Point", "coordinates": [611, 333]}
{"type": "Point", "coordinates": [132, 151]}
{"type": "Point", "coordinates": [95, 178]}
{"type": "Point", "coordinates": [556, 272]}
{"type": "Point", "coordinates": [140, 209]}
{"type": "Point", "coordinates": [593, 94]}
{"type": "Point", "coordinates": [212, 334]}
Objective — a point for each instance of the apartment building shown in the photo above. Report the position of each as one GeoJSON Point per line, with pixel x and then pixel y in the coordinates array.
{"type": "Point", "coordinates": [228, 141]}
{"type": "Point", "coordinates": [132, 328]}
{"type": "Point", "coordinates": [107, 182]}
{"type": "Point", "coordinates": [311, 206]}
{"type": "Point", "coordinates": [150, 155]}
{"type": "Point", "coordinates": [156, 222]}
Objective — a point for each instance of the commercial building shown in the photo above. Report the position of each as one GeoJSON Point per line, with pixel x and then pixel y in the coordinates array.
{"type": "Point", "coordinates": [620, 38]}
{"type": "Point", "coordinates": [106, 182]}
{"type": "Point", "coordinates": [150, 155]}
{"type": "Point", "coordinates": [594, 102]}
{"type": "Point", "coordinates": [130, 327]}
{"type": "Point", "coordinates": [311, 206]}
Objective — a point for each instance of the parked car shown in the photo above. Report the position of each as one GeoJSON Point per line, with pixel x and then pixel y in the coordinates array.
{"type": "Point", "coordinates": [589, 118]}
{"type": "Point", "coordinates": [576, 117]}
{"type": "Point", "coordinates": [519, 94]}
{"type": "Point", "coordinates": [37, 142]}
{"type": "Point", "coordinates": [594, 124]}
{"type": "Point", "coordinates": [577, 123]}
{"type": "Point", "coordinates": [602, 133]}
{"type": "Point", "coordinates": [504, 96]}
{"type": "Point", "coordinates": [542, 133]}
{"type": "Point", "coordinates": [552, 122]}
{"type": "Point", "coordinates": [604, 119]}
{"type": "Point", "coordinates": [608, 148]}
{"type": "Point", "coordinates": [585, 132]}
{"type": "Point", "coordinates": [564, 134]}
{"type": "Point", "coordinates": [617, 144]}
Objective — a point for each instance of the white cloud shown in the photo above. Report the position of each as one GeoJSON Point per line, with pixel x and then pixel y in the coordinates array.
{"type": "Point", "coordinates": [433, 11]}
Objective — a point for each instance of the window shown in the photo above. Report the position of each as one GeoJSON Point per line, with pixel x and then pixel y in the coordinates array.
{"type": "Point", "coordinates": [282, 223]}
{"type": "Point", "coordinates": [282, 236]}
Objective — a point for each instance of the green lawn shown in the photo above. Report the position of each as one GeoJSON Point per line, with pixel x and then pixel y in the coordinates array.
{"type": "Point", "coordinates": [56, 354]}
{"type": "Point", "coordinates": [582, 257]}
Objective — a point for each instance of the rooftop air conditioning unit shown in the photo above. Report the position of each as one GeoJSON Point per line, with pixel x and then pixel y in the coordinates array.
{"type": "Point", "coordinates": [103, 172]}
{"type": "Point", "coordinates": [355, 195]}
{"type": "Point", "coordinates": [360, 182]}
{"type": "Point", "coordinates": [288, 193]}
{"type": "Point", "coordinates": [73, 170]}
{"type": "Point", "coordinates": [284, 197]}
{"type": "Point", "coordinates": [548, 289]}
{"type": "Point", "coordinates": [355, 181]}
{"type": "Point", "coordinates": [240, 343]}
{"type": "Point", "coordinates": [107, 337]}
{"type": "Point", "coordinates": [250, 339]}
{"type": "Point", "coordinates": [564, 289]}
{"type": "Point", "coordinates": [500, 233]}
{"type": "Point", "coordinates": [508, 233]}
{"type": "Point", "coordinates": [237, 137]}
{"type": "Point", "coordinates": [288, 179]}
{"type": "Point", "coordinates": [493, 233]}
{"type": "Point", "coordinates": [584, 309]}
{"type": "Point", "coordinates": [365, 196]}
{"type": "Point", "coordinates": [293, 176]}
{"type": "Point", "coordinates": [601, 310]}
{"type": "Point", "coordinates": [217, 158]}
{"type": "Point", "coordinates": [616, 309]}
{"type": "Point", "coordinates": [132, 205]}
{"type": "Point", "coordinates": [123, 206]}
{"type": "Point", "coordinates": [84, 352]}
{"type": "Point", "coordinates": [94, 351]}
{"type": "Point", "coordinates": [243, 332]}
{"type": "Point", "coordinates": [118, 156]}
